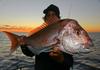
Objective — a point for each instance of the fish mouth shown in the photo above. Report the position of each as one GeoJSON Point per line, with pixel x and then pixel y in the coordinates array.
{"type": "Point", "coordinates": [79, 49]}
{"type": "Point", "coordinates": [76, 47]}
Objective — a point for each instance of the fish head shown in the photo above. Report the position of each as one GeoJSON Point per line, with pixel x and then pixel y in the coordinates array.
{"type": "Point", "coordinates": [75, 38]}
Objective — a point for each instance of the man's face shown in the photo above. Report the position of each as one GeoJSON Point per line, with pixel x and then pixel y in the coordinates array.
{"type": "Point", "coordinates": [51, 14]}
{"type": "Point", "coordinates": [51, 17]}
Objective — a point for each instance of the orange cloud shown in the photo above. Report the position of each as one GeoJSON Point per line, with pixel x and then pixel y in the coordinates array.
{"type": "Point", "coordinates": [91, 27]}
{"type": "Point", "coordinates": [15, 28]}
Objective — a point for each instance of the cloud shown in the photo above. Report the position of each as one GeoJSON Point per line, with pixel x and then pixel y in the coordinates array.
{"type": "Point", "coordinates": [15, 28]}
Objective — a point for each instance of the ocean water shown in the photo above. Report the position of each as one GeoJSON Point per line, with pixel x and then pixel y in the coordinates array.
{"type": "Point", "coordinates": [18, 61]}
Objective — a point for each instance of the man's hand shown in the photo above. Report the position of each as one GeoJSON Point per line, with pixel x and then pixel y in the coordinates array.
{"type": "Point", "coordinates": [56, 54]}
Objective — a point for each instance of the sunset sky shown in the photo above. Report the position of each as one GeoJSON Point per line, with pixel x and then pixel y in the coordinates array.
{"type": "Point", "coordinates": [23, 15]}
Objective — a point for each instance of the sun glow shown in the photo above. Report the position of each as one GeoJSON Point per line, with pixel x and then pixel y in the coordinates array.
{"type": "Point", "coordinates": [28, 28]}
{"type": "Point", "coordinates": [19, 28]}
{"type": "Point", "coordinates": [91, 27]}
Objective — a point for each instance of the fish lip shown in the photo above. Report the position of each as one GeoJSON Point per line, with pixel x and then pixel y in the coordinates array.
{"type": "Point", "coordinates": [83, 49]}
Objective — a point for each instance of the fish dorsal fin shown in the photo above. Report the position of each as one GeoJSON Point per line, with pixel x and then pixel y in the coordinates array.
{"type": "Point", "coordinates": [38, 29]}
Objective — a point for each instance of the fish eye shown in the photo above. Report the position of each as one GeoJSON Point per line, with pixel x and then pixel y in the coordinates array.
{"type": "Point", "coordinates": [77, 32]}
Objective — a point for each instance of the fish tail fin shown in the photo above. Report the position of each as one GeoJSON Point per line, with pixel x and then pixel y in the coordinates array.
{"type": "Point", "coordinates": [14, 41]}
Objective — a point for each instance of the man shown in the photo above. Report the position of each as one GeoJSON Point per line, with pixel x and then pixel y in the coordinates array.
{"type": "Point", "coordinates": [55, 59]}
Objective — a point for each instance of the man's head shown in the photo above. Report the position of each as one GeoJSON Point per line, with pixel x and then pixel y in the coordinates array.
{"type": "Point", "coordinates": [52, 8]}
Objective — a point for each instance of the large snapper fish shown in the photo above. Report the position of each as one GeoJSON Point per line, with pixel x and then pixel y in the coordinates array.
{"type": "Point", "coordinates": [66, 34]}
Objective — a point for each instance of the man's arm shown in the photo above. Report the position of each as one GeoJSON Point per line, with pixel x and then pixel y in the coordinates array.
{"type": "Point", "coordinates": [26, 51]}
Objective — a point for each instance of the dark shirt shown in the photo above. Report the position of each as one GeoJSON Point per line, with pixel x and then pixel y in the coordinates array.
{"type": "Point", "coordinates": [45, 62]}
